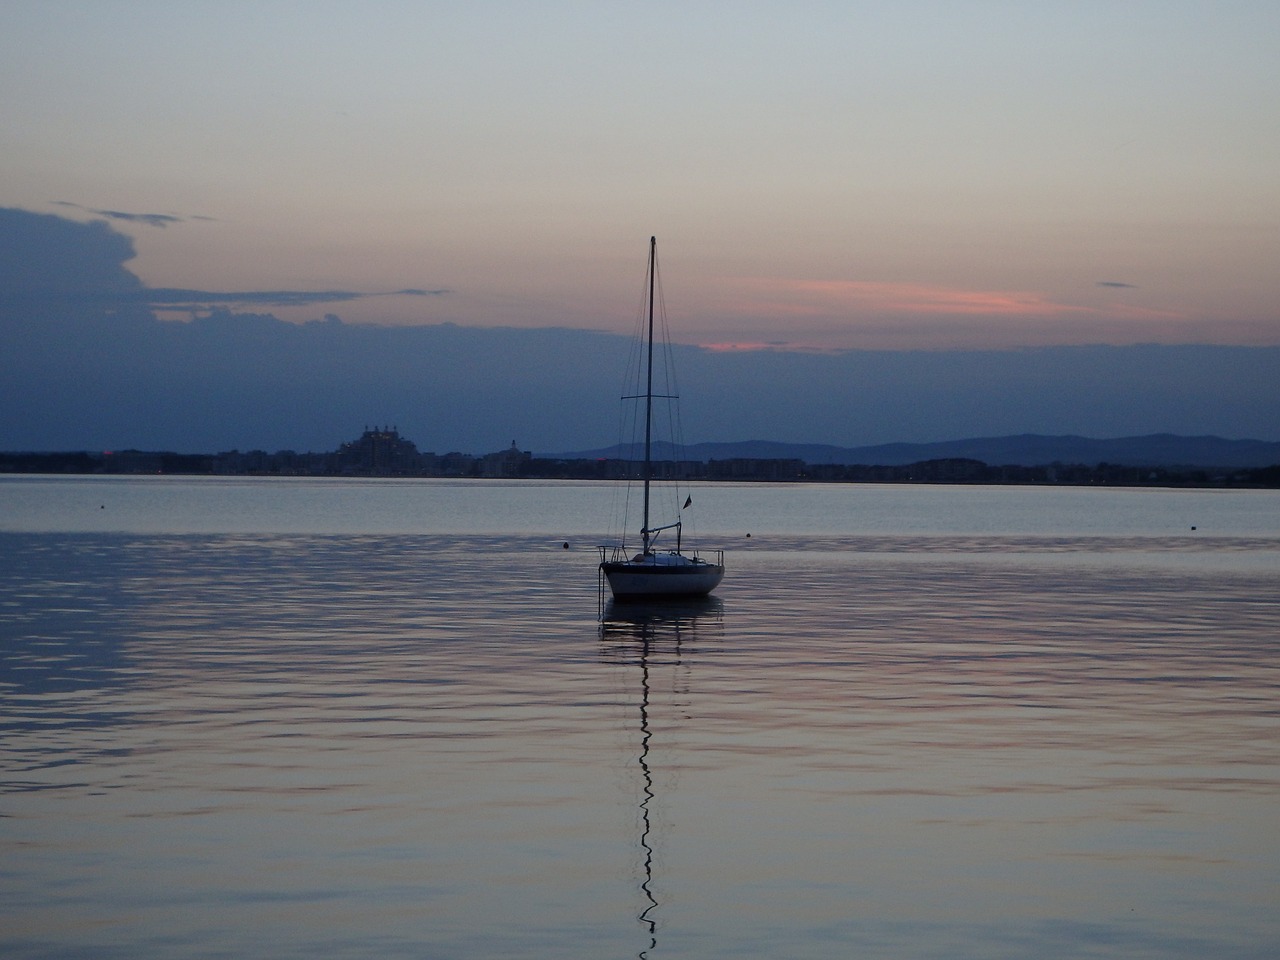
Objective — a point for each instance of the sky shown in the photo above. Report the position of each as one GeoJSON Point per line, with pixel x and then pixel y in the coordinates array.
{"type": "Point", "coordinates": [268, 224]}
{"type": "Point", "coordinates": [821, 176]}
{"type": "Point", "coordinates": [89, 363]}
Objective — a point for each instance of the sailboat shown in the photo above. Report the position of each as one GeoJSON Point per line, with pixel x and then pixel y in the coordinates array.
{"type": "Point", "coordinates": [656, 571]}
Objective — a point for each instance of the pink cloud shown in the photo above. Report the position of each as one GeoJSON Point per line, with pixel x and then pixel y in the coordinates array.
{"type": "Point", "coordinates": [739, 346]}
{"type": "Point", "coordinates": [780, 296]}
{"type": "Point", "coordinates": [826, 315]}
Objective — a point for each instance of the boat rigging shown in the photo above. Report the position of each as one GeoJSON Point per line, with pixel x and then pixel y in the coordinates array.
{"type": "Point", "coordinates": [655, 573]}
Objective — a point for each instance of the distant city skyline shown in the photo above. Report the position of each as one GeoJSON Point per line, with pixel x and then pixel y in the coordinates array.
{"type": "Point", "coordinates": [821, 176]}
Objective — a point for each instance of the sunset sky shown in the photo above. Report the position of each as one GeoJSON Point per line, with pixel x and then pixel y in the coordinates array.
{"type": "Point", "coordinates": [819, 175]}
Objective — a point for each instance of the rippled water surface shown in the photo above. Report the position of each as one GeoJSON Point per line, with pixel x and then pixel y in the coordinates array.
{"type": "Point", "coordinates": [966, 741]}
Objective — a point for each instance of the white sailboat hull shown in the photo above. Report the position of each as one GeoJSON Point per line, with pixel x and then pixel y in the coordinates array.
{"type": "Point", "coordinates": [663, 575]}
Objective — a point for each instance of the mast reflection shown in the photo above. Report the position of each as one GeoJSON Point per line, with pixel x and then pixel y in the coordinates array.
{"type": "Point", "coordinates": [636, 633]}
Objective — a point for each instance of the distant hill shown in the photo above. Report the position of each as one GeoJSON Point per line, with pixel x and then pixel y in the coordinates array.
{"type": "Point", "coordinates": [1028, 450]}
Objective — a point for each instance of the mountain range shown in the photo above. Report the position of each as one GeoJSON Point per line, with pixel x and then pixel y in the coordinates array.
{"type": "Point", "coordinates": [1153, 450]}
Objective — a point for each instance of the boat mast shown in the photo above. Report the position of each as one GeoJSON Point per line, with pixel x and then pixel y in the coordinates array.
{"type": "Point", "coordinates": [648, 396]}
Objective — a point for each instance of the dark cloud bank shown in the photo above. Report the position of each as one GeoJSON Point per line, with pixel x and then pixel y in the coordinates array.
{"type": "Point", "coordinates": [149, 219]}
{"type": "Point", "coordinates": [87, 365]}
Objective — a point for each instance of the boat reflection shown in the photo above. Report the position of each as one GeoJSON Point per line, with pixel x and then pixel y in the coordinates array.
{"type": "Point", "coordinates": [667, 622]}
{"type": "Point", "coordinates": [648, 635]}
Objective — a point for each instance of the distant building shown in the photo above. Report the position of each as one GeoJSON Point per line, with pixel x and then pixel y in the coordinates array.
{"type": "Point", "coordinates": [454, 464]}
{"type": "Point", "coordinates": [511, 462]}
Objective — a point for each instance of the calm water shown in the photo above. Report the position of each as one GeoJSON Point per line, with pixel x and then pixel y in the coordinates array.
{"type": "Point", "coordinates": [250, 718]}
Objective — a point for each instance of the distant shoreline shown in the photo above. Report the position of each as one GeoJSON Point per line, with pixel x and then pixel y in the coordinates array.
{"type": "Point", "coordinates": [951, 470]}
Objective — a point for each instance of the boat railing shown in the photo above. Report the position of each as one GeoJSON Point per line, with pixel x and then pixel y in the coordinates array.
{"type": "Point", "coordinates": [619, 553]}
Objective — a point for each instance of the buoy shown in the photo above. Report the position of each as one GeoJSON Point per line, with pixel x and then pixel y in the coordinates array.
{"type": "Point", "coordinates": [566, 544]}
